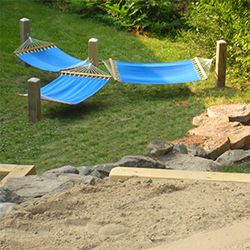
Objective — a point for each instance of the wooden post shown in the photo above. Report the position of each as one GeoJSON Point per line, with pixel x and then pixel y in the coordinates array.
{"type": "Point", "coordinates": [24, 31]}
{"type": "Point", "coordinates": [34, 100]}
{"type": "Point", "coordinates": [220, 68]}
{"type": "Point", "coordinates": [93, 51]}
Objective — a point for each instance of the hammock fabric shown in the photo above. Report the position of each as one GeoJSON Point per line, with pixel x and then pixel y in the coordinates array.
{"type": "Point", "coordinates": [46, 56]}
{"type": "Point", "coordinates": [75, 85]}
{"type": "Point", "coordinates": [72, 89]}
{"type": "Point", "coordinates": [159, 73]}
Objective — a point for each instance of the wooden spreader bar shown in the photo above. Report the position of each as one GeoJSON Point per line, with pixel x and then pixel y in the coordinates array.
{"type": "Point", "coordinates": [66, 72]}
{"type": "Point", "coordinates": [45, 46]}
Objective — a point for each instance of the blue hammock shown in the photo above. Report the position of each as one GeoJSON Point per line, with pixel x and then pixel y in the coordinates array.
{"type": "Point", "coordinates": [158, 73]}
{"type": "Point", "coordinates": [46, 56]}
{"type": "Point", "coordinates": [72, 89]}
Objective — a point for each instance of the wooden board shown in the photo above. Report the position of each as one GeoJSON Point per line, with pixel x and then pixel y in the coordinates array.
{"type": "Point", "coordinates": [16, 171]}
{"type": "Point", "coordinates": [125, 173]}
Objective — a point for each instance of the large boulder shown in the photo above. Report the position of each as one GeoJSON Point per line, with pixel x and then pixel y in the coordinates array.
{"type": "Point", "coordinates": [180, 161]}
{"type": "Point", "coordinates": [234, 157]}
{"type": "Point", "coordinates": [139, 162]}
{"type": "Point", "coordinates": [35, 186]}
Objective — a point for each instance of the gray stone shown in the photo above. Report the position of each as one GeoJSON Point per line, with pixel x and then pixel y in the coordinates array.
{"type": "Point", "coordinates": [197, 151]}
{"type": "Point", "coordinates": [234, 157]}
{"type": "Point", "coordinates": [180, 161]}
{"type": "Point", "coordinates": [6, 208]}
{"type": "Point", "coordinates": [139, 162]}
{"type": "Point", "coordinates": [34, 186]}
{"type": "Point", "coordinates": [63, 170]}
{"type": "Point", "coordinates": [84, 170]}
{"type": "Point", "coordinates": [105, 168]}
{"type": "Point", "coordinates": [98, 174]}
{"type": "Point", "coordinates": [159, 147]}
{"type": "Point", "coordinates": [7, 195]}
{"type": "Point", "coordinates": [89, 179]}
{"type": "Point", "coordinates": [181, 148]}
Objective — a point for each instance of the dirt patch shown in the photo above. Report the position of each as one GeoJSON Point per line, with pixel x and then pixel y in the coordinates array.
{"type": "Point", "coordinates": [126, 215]}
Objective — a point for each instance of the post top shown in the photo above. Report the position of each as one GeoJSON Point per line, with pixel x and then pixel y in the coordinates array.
{"type": "Point", "coordinates": [221, 41]}
{"type": "Point", "coordinates": [93, 40]}
{"type": "Point", "coordinates": [33, 80]}
{"type": "Point", "coordinates": [24, 19]}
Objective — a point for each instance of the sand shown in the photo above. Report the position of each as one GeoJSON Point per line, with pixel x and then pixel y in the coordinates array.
{"type": "Point", "coordinates": [133, 215]}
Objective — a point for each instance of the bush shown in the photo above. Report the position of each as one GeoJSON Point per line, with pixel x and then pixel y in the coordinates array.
{"type": "Point", "coordinates": [213, 20]}
{"type": "Point", "coordinates": [156, 16]}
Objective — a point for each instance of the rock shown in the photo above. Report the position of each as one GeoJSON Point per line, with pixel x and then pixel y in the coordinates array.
{"type": "Point", "coordinates": [203, 146]}
{"type": "Point", "coordinates": [34, 186]}
{"type": "Point", "coordinates": [203, 118]}
{"type": "Point", "coordinates": [238, 135]}
{"type": "Point", "coordinates": [98, 174]}
{"type": "Point", "coordinates": [159, 147]}
{"type": "Point", "coordinates": [91, 180]}
{"type": "Point", "coordinates": [6, 208]}
{"type": "Point", "coordinates": [180, 161]}
{"type": "Point", "coordinates": [181, 148]}
{"type": "Point", "coordinates": [84, 170]}
{"type": "Point", "coordinates": [139, 162]}
{"type": "Point", "coordinates": [63, 170]}
{"type": "Point", "coordinates": [105, 168]}
{"type": "Point", "coordinates": [8, 196]}
{"type": "Point", "coordinates": [234, 112]}
{"type": "Point", "coordinates": [234, 157]}
{"type": "Point", "coordinates": [214, 147]}
{"type": "Point", "coordinates": [197, 151]}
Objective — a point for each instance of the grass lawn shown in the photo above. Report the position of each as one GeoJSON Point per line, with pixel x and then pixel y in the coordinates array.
{"type": "Point", "coordinates": [121, 119]}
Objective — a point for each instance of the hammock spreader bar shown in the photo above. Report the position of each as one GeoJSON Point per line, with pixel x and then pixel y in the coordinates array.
{"type": "Point", "coordinates": [158, 73]}
{"type": "Point", "coordinates": [46, 56]}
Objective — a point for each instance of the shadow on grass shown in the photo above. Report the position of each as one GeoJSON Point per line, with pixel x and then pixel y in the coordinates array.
{"type": "Point", "coordinates": [69, 112]}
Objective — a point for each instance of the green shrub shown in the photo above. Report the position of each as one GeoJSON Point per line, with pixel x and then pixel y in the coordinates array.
{"type": "Point", "coordinates": [156, 16]}
{"type": "Point", "coordinates": [229, 20]}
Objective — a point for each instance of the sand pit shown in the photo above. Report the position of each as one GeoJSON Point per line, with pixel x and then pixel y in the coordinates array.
{"type": "Point", "coordinates": [133, 214]}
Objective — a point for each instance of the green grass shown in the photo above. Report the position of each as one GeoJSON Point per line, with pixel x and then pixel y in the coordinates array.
{"type": "Point", "coordinates": [245, 168]}
{"type": "Point", "coordinates": [121, 119]}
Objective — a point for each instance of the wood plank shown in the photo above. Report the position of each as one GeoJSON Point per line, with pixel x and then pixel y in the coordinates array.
{"type": "Point", "coordinates": [15, 171]}
{"type": "Point", "coordinates": [119, 173]}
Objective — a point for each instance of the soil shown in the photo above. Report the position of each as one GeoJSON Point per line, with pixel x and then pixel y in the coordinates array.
{"type": "Point", "coordinates": [133, 214]}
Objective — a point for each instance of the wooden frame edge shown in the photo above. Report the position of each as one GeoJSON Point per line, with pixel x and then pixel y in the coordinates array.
{"type": "Point", "coordinates": [15, 171]}
{"type": "Point", "coordinates": [120, 173]}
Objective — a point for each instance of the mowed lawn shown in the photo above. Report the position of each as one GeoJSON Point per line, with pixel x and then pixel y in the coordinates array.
{"type": "Point", "coordinates": [119, 120]}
